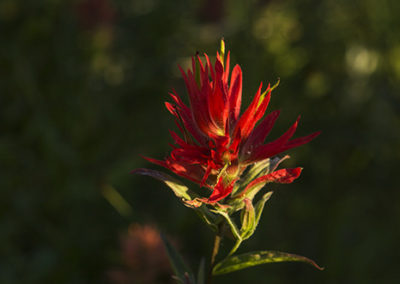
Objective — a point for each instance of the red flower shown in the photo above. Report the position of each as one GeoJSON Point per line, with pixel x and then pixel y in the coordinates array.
{"type": "Point", "coordinates": [218, 144]}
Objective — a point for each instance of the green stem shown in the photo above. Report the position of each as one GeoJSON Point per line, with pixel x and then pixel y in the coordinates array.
{"type": "Point", "coordinates": [217, 242]}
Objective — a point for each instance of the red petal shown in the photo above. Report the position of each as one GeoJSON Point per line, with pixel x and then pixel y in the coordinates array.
{"type": "Point", "coordinates": [220, 191]}
{"type": "Point", "coordinates": [283, 175]}
{"type": "Point", "coordinates": [206, 175]}
{"type": "Point", "coordinates": [157, 162]}
{"type": "Point", "coordinates": [210, 66]}
{"type": "Point", "coordinates": [246, 120]}
{"type": "Point", "coordinates": [217, 105]}
{"type": "Point", "coordinates": [171, 108]}
{"type": "Point", "coordinates": [219, 68]}
{"type": "Point", "coordinates": [187, 119]}
{"type": "Point", "coordinates": [258, 136]}
{"type": "Point", "coordinates": [193, 172]}
{"type": "Point", "coordinates": [191, 156]}
{"type": "Point", "coordinates": [189, 171]}
{"type": "Point", "coordinates": [288, 134]}
{"type": "Point", "coordinates": [279, 176]}
{"type": "Point", "coordinates": [178, 140]}
{"type": "Point", "coordinates": [263, 129]}
{"type": "Point", "coordinates": [274, 147]}
{"type": "Point", "coordinates": [300, 141]}
{"type": "Point", "coordinates": [235, 93]}
{"type": "Point", "coordinates": [226, 67]}
{"type": "Point", "coordinates": [261, 109]}
{"type": "Point", "coordinates": [199, 109]}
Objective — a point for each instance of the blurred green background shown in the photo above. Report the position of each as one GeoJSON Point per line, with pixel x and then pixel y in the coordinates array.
{"type": "Point", "coordinates": [82, 86]}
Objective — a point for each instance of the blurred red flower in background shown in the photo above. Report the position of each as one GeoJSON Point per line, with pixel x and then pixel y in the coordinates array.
{"type": "Point", "coordinates": [144, 258]}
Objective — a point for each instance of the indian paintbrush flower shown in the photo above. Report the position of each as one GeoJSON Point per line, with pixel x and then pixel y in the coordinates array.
{"type": "Point", "coordinates": [217, 144]}
{"type": "Point", "coordinates": [223, 150]}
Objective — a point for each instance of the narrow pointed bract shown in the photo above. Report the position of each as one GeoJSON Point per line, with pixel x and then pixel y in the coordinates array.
{"type": "Point", "coordinates": [216, 144]}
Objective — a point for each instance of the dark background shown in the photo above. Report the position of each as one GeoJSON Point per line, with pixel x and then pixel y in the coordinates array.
{"type": "Point", "coordinates": [82, 86]}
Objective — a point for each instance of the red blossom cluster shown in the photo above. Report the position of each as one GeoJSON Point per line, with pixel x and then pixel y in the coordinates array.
{"type": "Point", "coordinates": [216, 143]}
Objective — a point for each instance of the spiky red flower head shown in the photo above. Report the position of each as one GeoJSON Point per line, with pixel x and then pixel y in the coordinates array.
{"type": "Point", "coordinates": [218, 143]}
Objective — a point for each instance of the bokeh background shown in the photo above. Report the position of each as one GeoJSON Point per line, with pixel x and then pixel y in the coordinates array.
{"type": "Point", "coordinates": [82, 86]}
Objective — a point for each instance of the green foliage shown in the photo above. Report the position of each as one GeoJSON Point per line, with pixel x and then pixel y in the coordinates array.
{"type": "Point", "coordinates": [230, 222]}
{"type": "Point", "coordinates": [248, 218]}
{"type": "Point", "coordinates": [257, 170]}
{"type": "Point", "coordinates": [188, 197]}
{"type": "Point", "coordinates": [181, 191]}
{"type": "Point", "coordinates": [238, 262]}
{"type": "Point", "coordinates": [260, 206]}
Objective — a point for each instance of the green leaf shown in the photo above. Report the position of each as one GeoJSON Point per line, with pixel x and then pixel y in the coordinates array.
{"type": "Point", "coordinates": [231, 224]}
{"type": "Point", "coordinates": [260, 206]}
{"type": "Point", "coordinates": [242, 261]}
{"type": "Point", "coordinates": [258, 169]}
{"type": "Point", "coordinates": [182, 271]}
{"type": "Point", "coordinates": [235, 231]}
{"type": "Point", "coordinates": [248, 218]}
{"type": "Point", "coordinates": [188, 197]}
{"type": "Point", "coordinates": [252, 191]}
{"type": "Point", "coordinates": [180, 190]}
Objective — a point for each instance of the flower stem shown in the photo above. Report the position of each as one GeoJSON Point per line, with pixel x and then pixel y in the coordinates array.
{"type": "Point", "coordinates": [217, 242]}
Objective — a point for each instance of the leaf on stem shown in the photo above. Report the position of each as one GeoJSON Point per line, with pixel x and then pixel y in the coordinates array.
{"type": "Point", "coordinates": [188, 197]}
{"type": "Point", "coordinates": [242, 261]}
{"type": "Point", "coordinates": [248, 220]}
{"type": "Point", "coordinates": [180, 190]}
{"type": "Point", "coordinates": [231, 224]}
{"type": "Point", "coordinates": [260, 205]}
